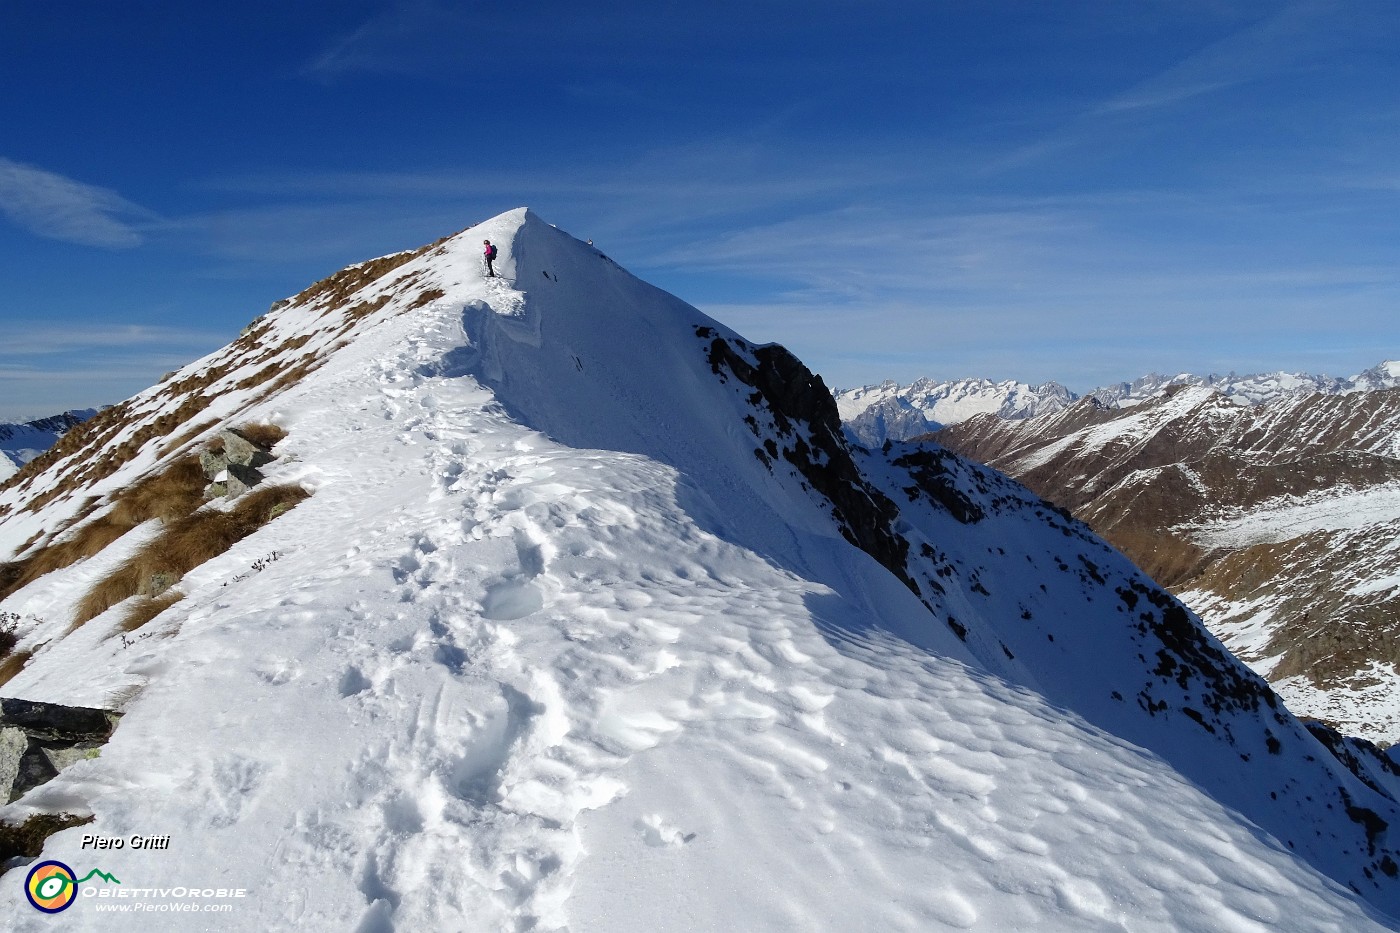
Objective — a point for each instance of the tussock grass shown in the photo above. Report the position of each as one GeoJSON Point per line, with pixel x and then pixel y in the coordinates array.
{"type": "Point", "coordinates": [11, 661]}
{"type": "Point", "coordinates": [88, 446]}
{"type": "Point", "coordinates": [363, 309]}
{"type": "Point", "coordinates": [426, 297]}
{"type": "Point", "coordinates": [264, 435]}
{"type": "Point", "coordinates": [147, 608]}
{"type": "Point", "coordinates": [86, 453]}
{"type": "Point", "coordinates": [168, 496]}
{"type": "Point", "coordinates": [258, 378]}
{"type": "Point", "coordinates": [298, 370]}
{"type": "Point", "coordinates": [184, 545]}
{"type": "Point", "coordinates": [12, 664]}
{"type": "Point", "coordinates": [89, 506]}
{"type": "Point", "coordinates": [10, 572]}
{"type": "Point", "coordinates": [186, 437]}
{"type": "Point", "coordinates": [104, 459]}
{"type": "Point", "coordinates": [335, 289]}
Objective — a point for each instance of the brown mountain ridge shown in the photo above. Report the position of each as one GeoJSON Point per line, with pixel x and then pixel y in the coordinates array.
{"type": "Point", "coordinates": [1279, 524]}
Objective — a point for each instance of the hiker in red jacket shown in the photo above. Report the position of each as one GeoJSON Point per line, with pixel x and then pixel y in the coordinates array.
{"type": "Point", "coordinates": [489, 253]}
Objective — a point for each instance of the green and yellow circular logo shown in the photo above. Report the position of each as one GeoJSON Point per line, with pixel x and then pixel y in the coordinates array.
{"type": "Point", "coordinates": [51, 887]}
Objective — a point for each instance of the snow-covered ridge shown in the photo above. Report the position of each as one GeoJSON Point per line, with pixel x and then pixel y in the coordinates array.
{"type": "Point", "coordinates": [595, 622]}
{"type": "Point", "coordinates": [888, 410]}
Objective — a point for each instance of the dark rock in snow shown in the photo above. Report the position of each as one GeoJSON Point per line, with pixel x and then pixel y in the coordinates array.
{"type": "Point", "coordinates": [37, 740]}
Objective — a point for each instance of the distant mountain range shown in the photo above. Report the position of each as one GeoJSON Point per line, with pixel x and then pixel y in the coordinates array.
{"type": "Point", "coordinates": [888, 410]}
{"type": "Point", "coordinates": [1279, 522]}
{"type": "Point", "coordinates": [20, 443]}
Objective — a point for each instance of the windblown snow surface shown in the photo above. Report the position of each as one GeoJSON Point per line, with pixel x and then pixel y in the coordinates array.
{"type": "Point", "coordinates": [551, 648]}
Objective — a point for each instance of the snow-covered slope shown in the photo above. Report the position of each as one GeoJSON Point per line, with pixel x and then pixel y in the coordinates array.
{"type": "Point", "coordinates": [595, 621]}
{"type": "Point", "coordinates": [20, 443]}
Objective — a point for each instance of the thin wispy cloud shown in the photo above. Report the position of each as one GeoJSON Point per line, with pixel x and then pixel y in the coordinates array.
{"type": "Point", "coordinates": [19, 340]}
{"type": "Point", "coordinates": [1260, 51]}
{"type": "Point", "coordinates": [48, 369]}
{"type": "Point", "coordinates": [1254, 52]}
{"type": "Point", "coordinates": [410, 37]}
{"type": "Point", "coordinates": [51, 205]}
{"type": "Point", "coordinates": [145, 370]}
{"type": "Point", "coordinates": [665, 194]}
{"type": "Point", "coordinates": [702, 171]}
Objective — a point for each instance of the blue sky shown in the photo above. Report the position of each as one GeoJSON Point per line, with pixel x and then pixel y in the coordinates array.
{"type": "Point", "coordinates": [1080, 191]}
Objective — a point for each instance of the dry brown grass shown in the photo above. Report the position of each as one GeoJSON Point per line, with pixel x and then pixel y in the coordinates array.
{"type": "Point", "coordinates": [88, 447]}
{"type": "Point", "coordinates": [106, 460]}
{"type": "Point", "coordinates": [1167, 558]}
{"type": "Point", "coordinates": [264, 435]}
{"type": "Point", "coordinates": [426, 297]}
{"type": "Point", "coordinates": [304, 366]}
{"type": "Point", "coordinates": [184, 545]}
{"type": "Point", "coordinates": [89, 506]}
{"type": "Point", "coordinates": [95, 435]}
{"type": "Point", "coordinates": [258, 378]}
{"type": "Point", "coordinates": [9, 573]}
{"type": "Point", "coordinates": [168, 495]}
{"type": "Point", "coordinates": [147, 608]}
{"type": "Point", "coordinates": [363, 309]}
{"type": "Point", "coordinates": [281, 349]}
{"type": "Point", "coordinates": [336, 288]}
{"type": "Point", "coordinates": [180, 441]}
{"type": "Point", "coordinates": [12, 664]}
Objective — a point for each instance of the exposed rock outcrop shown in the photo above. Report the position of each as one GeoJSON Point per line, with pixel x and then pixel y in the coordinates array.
{"type": "Point", "coordinates": [231, 464]}
{"type": "Point", "coordinates": [38, 740]}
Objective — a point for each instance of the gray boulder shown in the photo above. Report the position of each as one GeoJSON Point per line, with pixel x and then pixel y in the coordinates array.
{"type": "Point", "coordinates": [243, 452]}
{"type": "Point", "coordinates": [239, 479]}
{"type": "Point", "coordinates": [233, 470]}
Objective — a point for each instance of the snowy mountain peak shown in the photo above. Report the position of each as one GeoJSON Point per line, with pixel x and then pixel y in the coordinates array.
{"type": "Point", "coordinates": [875, 413]}
{"type": "Point", "coordinates": [1384, 375]}
{"type": "Point", "coordinates": [592, 612]}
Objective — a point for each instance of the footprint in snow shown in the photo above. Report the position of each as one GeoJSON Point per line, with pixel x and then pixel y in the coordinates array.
{"type": "Point", "coordinates": [353, 681]}
{"type": "Point", "coordinates": [511, 599]}
{"type": "Point", "coordinates": [278, 671]}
